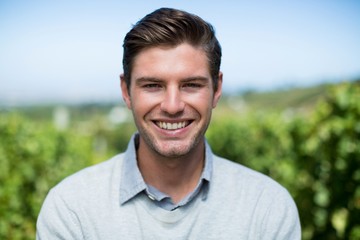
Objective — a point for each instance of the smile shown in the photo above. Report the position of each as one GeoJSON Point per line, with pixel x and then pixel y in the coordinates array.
{"type": "Point", "coordinates": [172, 126]}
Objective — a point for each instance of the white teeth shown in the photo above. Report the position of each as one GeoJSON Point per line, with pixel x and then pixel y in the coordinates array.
{"type": "Point", "coordinates": [171, 126]}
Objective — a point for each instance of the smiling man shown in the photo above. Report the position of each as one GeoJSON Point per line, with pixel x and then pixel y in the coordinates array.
{"type": "Point", "coordinates": [168, 184]}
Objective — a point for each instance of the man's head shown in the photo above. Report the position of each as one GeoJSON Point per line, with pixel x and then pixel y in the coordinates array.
{"type": "Point", "coordinates": [171, 27]}
{"type": "Point", "coordinates": [171, 82]}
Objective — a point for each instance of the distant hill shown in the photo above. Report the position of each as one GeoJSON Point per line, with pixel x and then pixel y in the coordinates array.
{"type": "Point", "coordinates": [300, 100]}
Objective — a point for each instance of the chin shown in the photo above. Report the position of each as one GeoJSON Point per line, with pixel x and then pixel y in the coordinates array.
{"type": "Point", "coordinates": [174, 150]}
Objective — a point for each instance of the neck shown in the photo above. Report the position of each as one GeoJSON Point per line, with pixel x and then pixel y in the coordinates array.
{"type": "Point", "coordinates": [176, 177]}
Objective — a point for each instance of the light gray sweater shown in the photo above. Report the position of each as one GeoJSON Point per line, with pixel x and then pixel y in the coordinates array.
{"type": "Point", "coordinates": [251, 206]}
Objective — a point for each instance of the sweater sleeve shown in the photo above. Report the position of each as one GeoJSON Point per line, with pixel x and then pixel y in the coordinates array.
{"type": "Point", "coordinates": [281, 221]}
{"type": "Point", "coordinates": [56, 220]}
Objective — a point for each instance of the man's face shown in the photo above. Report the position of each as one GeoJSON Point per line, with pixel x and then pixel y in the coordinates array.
{"type": "Point", "coordinates": [171, 96]}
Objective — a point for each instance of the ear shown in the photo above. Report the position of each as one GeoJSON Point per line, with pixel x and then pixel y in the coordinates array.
{"type": "Point", "coordinates": [218, 92]}
{"type": "Point", "coordinates": [125, 91]}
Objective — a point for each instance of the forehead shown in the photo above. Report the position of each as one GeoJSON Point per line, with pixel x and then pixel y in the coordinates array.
{"type": "Point", "coordinates": [181, 60]}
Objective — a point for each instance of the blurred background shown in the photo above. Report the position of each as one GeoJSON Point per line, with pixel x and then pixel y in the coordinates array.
{"type": "Point", "coordinates": [290, 109]}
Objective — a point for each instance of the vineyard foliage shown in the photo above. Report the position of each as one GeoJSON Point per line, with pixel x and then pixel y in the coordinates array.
{"type": "Point", "coordinates": [315, 156]}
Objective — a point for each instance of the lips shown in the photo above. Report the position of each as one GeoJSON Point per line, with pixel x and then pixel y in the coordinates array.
{"type": "Point", "coordinates": [172, 125]}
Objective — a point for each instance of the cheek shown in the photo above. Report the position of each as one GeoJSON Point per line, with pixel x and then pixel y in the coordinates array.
{"type": "Point", "coordinates": [203, 103]}
{"type": "Point", "coordinates": [143, 103]}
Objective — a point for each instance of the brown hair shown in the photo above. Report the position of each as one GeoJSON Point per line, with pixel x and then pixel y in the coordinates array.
{"type": "Point", "coordinates": [171, 27]}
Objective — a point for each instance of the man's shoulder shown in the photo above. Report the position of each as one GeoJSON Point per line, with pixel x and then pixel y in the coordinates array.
{"type": "Point", "coordinates": [237, 175]}
{"type": "Point", "coordinates": [92, 177]}
{"type": "Point", "coordinates": [247, 185]}
{"type": "Point", "coordinates": [251, 195]}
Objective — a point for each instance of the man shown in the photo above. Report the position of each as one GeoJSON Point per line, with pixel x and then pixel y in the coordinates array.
{"type": "Point", "coordinates": [168, 184]}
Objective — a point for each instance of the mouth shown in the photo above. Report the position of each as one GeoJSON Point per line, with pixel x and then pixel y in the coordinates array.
{"type": "Point", "coordinates": [172, 125]}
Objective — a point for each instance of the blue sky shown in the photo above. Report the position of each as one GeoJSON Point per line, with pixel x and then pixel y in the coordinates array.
{"type": "Point", "coordinates": [71, 50]}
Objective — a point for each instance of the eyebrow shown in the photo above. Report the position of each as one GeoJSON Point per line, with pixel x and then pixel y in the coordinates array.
{"type": "Point", "coordinates": [196, 78]}
{"type": "Point", "coordinates": [156, 80]}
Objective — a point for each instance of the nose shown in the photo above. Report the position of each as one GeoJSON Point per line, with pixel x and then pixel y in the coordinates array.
{"type": "Point", "coordinates": [172, 102]}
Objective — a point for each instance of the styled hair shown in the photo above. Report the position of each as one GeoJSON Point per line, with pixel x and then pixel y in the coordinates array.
{"type": "Point", "coordinates": [171, 27]}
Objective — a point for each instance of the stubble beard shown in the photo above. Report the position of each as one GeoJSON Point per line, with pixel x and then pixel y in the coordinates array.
{"type": "Point", "coordinates": [171, 149]}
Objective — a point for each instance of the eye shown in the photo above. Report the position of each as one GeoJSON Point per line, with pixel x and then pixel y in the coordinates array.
{"type": "Point", "coordinates": [192, 85]}
{"type": "Point", "coordinates": [151, 86]}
